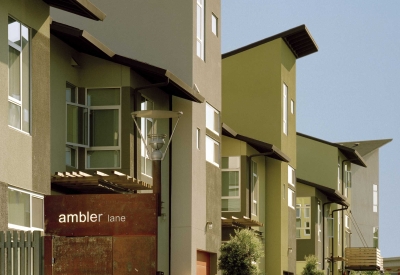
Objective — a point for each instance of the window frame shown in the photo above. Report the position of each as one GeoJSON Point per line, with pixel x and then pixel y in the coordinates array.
{"type": "Point", "coordinates": [215, 154]}
{"type": "Point", "coordinates": [375, 198]}
{"type": "Point", "coordinates": [233, 169]}
{"type": "Point", "coordinates": [200, 13]}
{"type": "Point", "coordinates": [31, 195]}
{"type": "Point", "coordinates": [291, 198]}
{"type": "Point", "coordinates": [285, 92]}
{"type": "Point", "coordinates": [214, 24]}
{"type": "Point", "coordinates": [291, 176]}
{"type": "Point", "coordinates": [212, 119]}
{"type": "Point", "coordinates": [255, 189]}
{"type": "Point", "coordinates": [11, 100]}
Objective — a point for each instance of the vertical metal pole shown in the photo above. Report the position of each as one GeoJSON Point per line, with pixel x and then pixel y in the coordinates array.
{"type": "Point", "coordinates": [157, 182]}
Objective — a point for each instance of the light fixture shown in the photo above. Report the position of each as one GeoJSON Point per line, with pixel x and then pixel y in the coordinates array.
{"type": "Point", "coordinates": [209, 225]}
{"type": "Point", "coordinates": [290, 250]}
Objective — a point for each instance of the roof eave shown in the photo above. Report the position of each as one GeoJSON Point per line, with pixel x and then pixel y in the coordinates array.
{"type": "Point", "coordinates": [79, 7]}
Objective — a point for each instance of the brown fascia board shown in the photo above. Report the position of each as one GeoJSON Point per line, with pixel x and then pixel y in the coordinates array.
{"type": "Point", "coordinates": [296, 39]}
{"type": "Point", "coordinates": [351, 155]}
{"type": "Point", "coordinates": [332, 194]}
{"type": "Point", "coordinates": [260, 146]}
{"type": "Point", "coordinates": [84, 42]}
{"type": "Point", "coordinates": [80, 7]}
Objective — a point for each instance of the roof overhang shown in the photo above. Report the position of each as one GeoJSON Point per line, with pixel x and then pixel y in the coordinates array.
{"type": "Point", "coordinates": [80, 7]}
{"type": "Point", "coordinates": [298, 39]}
{"type": "Point", "coordinates": [96, 183]}
{"type": "Point", "coordinates": [240, 222]}
{"type": "Point", "coordinates": [260, 146]}
{"type": "Point", "coordinates": [332, 194]}
{"type": "Point", "coordinates": [351, 154]}
{"type": "Point", "coordinates": [83, 42]}
{"type": "Point", "coordinates": [365, 147]}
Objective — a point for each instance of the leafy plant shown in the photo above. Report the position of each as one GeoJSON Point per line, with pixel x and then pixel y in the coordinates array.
{"type": "Point", "coordinates": [311, 266]}
{"type": "Point", "coordinates": [240, 255]}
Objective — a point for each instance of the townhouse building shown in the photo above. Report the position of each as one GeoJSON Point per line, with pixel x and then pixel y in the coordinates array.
{"type": "Point", "coordinates": [259, 143]}
{"type": "Point", "coordinates": [25, 115]}
{"type": "Point", "coordinates": [324, 201]}
{"type": "Point", "coordinates": [184, 38]}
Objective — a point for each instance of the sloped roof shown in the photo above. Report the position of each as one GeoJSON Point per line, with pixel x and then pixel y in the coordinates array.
{"type": "Point", "coordinates": [298, 39]}
{"type": "Point", "coordinates": [84, 42]}
{"type": "Point", "coordinates": [260, 146]}
{"type": "Point", "coordinates": [332, 194]}
{"type": "Point", "coordinates": [351, 154]}
{"type": "Point", "coordinates": [80, 7]}
{"type": "Point", "coordinates": [365, 147]}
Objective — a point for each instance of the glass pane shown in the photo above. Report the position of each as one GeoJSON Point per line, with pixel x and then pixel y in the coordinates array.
{"type": "Point", "coordinates": [14, 115]}
{"type": "Point", "coordinates": [70, 156]}
{"type": "Point", "coordinates": [104, 128]}
{"type": "Point", "coordinates": [25, 79]}
{"type": "Point", "coordinates": [14, 72]}
{"type": "Point", "coordinates": [103, 159]}
{"type": "Point", "coordinates": [19, 208]}
{"type": "Point", "coordinates": [14, 31]}
{"type": "Point", "coordinates": [70, 93]}
{"type": "Point", "coordinates": [37, 212]}
{"type": "Point", "coordinates": [230, 183]}
{"type": "Point", "coordinates": [103, 97]}
{"type": "Point", "coordinates": [231, 205]}
{"type": "Point", "coordinates": [77, 125]}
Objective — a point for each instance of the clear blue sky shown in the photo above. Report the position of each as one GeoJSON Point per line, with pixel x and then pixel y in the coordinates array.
{"type": "Point", "coordinates": [349, 90]}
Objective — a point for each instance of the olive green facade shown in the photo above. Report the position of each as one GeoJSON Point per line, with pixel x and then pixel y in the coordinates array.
{"type": "Point", "coordinates": [252, 103]}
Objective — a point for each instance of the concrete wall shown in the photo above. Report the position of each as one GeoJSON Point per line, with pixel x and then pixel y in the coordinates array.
{"type": "Point", "coordinates": [24, 158]}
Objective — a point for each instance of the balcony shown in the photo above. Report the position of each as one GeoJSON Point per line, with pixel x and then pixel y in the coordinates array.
{"type": "Point", "coordinates": [363, 258]}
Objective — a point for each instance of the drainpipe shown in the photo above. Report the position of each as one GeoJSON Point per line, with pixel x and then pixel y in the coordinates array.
{"type": "Point", "coordinates": [250, 175]}
{"type": "Point", "coordinates": [341, 209]}
{"type": "Point", "coordinates": [323, 234]}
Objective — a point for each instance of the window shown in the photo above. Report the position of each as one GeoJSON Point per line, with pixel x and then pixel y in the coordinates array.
{"type": "Point", "coordinates": [338, 176]}
{"type": "Point", "coordinates": [375, 198]}
{"type": "Point", "coordinates": [19, 75]}
{"type": "Point", "coordinates": [285, 109]}
{"type": "Point", "coordinates": [93, 122]}
{"type": "Point", "coordinates": [198, 138]}
{"type": "Point", "coordinates": [319, 221]}
{"type": "Point", "coordinates": [200, 29]}
{"type": "Point", "coordinates": [25, 210]}
{"type": "Point", "coordinates": [231, 184]}
{"type": "Point", "coordinates": [303, 218]}
{"type": "Point", "coordinates": [291, 198]}
{"type": "Point", "coordinates": [339, 231]}
{"type": "Point", "coordinates": [212, 119]}
{"type": "Point", "coordinates": [291, 176]}
{"type": "Point", "coordinates": [212, 151]}
{"type": "Point", "coordinates": [375, 231]}
{"type": "Point", "coordinates": [146, 128]}
{"type": "Point", "coordinates": [214, 24]}
{"type": "Point", "coordinates": [254, 188]}
{"type": "Point", "coordinates": [347, 181]}
{"type": "Point", "coordinates": [346, 221]}
{"type": "Point", "coordinates": [292, 106]}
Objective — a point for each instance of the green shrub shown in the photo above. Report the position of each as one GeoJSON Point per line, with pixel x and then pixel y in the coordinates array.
{"type": "Point", "coordinates": [240, 255]}
{"type": "Point", "coordinates": [311, 266]}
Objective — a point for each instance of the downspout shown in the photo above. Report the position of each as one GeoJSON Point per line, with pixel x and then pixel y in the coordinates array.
{"type": "Point", "coordinates": [341, 209]}
{"type": "Point", "coordinates": [323, 234]}
{"type": "Point", "coordinates": [250, 175]}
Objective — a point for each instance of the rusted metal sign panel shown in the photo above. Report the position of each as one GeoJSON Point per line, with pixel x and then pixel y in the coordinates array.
{"type": "Point", "coordinates": [134, 255]}
{"type": "Point", "coordinates": [82, 255]}
{"type": "Point", "coordinates": [101, 215]}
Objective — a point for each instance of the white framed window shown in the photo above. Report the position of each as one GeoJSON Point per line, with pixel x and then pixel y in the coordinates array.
{"type": "Point", "coordinates": [375, 198]}
{"type": "Point", "coordinates": [291, 176]}
{"type": "Point", "coordinates": [212, 151]}
{"type": "Point", "coordinates": [347, 221]}
{"type": "Point", "coordinates": [25, 210]}
{"type": "Point", "coordinates": [93, 122]}
{"type": "Point", "coordinates": [230, 167]}
{"type": "Point", "coordinates": [146, 128]}
{"type": "Point", "coordinates": [71, 156]}
{"type": "Point", "coordinates": [303, 218]}
{"type": "Point", "coordinates": [338, 177]}
{"type": "Point", "coordinates": [285, 109]}
{"type": "Point", "coordinates": [197, 138]}
{"type": "Point", "coordinates": [214, 24]}
{"type": "Point", "coordinates": [200, 29]}
{"type": "Point", "coordinates": [339, 230]}
{"type": "Point", "coordinates": [254, 189]}
{"type": "Point", "coordinates": [212, 119]}
{"type": "Point", "coordinates": [292, 106]}
{"type": "Point", "coordinates": [291, 198]}
{"type": "Point", "coordinates": [375, 236]}
{"type": "Point", "coordinates": [19, 76]}
{"type": "Point", "coordinates": [319, 220]}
